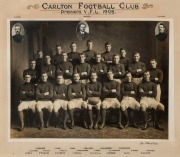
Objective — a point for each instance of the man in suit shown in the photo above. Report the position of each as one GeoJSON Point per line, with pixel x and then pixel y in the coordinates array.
{"type": "Point", "coordinates": [162, 34]}
{"type": "Point", "coordinates": [81, 31]}
{"type": "Point", "coordinates": [18, 37]}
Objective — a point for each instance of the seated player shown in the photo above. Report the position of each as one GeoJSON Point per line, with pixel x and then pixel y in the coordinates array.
{"type": "Point", "coordinates": [60, 100]}
{"type": "Point", "coordinates": [27, 100]}
{"type": "Point", "coordinates": [156, 77]}
{"type": "Point", "coordinates": [111, 94]}
{"type": "Point", "coordinates": [57, 58]}
{"type": "Point", "coordinates": [93, 90]}
{"type": "Point", "coordinates": [73, 55]}
{"type": "Point", "coordinates": [107, 56]}
{"type": "Point", "coordinates": [89, 53]}
{"type": "Point", "coordinates": [123, 59]}
{"type": "Point", "coordinates": [32, 71]}
{"type": "Point", "coordinates": [83, 69]}
{"type": "Point", "coordinates": [148, 91]}
{"type": "Point", "coordinates": [129, 93]}
{"type": "Point", "coordinates": [137, 68]}
{"type": "Point", "coordinates": [44, 95]}
{"type": "Point", "coordinates": [117, 69]}
{"type": "Point", "coordinates": [98, 67]}
{"type": "Point", "coordinates": [76, 96]}
{"type": "Point", "coordinates": [65, 68]}
{"type": "Point", "coordinates": [49, 69]}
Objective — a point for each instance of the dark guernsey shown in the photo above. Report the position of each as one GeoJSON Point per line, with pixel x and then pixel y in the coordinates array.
{"type": "Point", "coordinates": [78, 89]}
{"type": "Point", "coordinates": [42, 88]}
{"type": "Point", "coordinates": [60, 92]}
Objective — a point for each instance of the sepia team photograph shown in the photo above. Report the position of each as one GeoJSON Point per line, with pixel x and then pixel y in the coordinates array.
{"type": "Point", "coordinates": [89, 79]}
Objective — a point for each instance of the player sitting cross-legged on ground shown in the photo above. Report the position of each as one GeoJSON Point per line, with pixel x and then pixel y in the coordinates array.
{"type": "Point", "coordinates": [60, 100]}
{"type": "Point", "coordinates": [76, 96]}
{"type": "Point", "coordinates": [27, 100]}
{"type": "Point", "coordinates": [129, 93]}
{"type": "Point", "coordinates": [93, 90]}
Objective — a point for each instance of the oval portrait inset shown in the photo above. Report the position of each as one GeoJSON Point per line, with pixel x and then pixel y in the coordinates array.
{"type": "Point", "coordinates": [18, 32]}
{"type": "Point", "coordinates": [82, 30]}
{"type": "Point", "coordinates": [160, 31]}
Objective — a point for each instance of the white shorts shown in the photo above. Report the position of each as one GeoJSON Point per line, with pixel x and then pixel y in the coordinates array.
{"type": "Point", "coordinates": [44, 104]}
{"type": "Point", "coordinates": [129, 102]}
{"type": "Point", "coordinates": [94, 101]}
{"type": "Point", "coordinates": [77, 103]}
{"type": "Point", "coordinates": [110, 102]}
{"type": "Point", "coordinates": [60, 104]}
{"type": "Point", "coordinates": [148, 102]}
{"type": "Point", "coordinates": [27, 105]}
{"type": "Point", "coordinates": [137, 80]}
{"type": "Point", "coordinates": [158, 97]}
{"type": "Point", "coordinates": [67, 81]}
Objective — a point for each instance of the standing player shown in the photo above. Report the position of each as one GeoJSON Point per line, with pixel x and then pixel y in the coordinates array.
{"type": "Point", "coordinates": [123, 59]}
{"type": "Point", "coordinates": [60, 100]}
{"type": "Point", "coordinates": [156, 77]}
{"type": "Point", "coordinates": [57, 58]}
{"type": "Point", "coordinates": [129, 93]}
{"type": "Point", "coordinates": [27, 100]}
{"type": "Point", "coordinates": [32, 71]}
{"type": "Point", "coordinates": [65, 68]}
{"type": "Point", "coordinates": [44, 94]}
{"type": "Point", "coordinates": [107, 56]}
{"type": "Point", "coordinates": [148, 91]}
{"type": "Point", "coordinates": [49, 69]}
{"type": "Point", "coordinates": [89, 53]}
{"type": "Point", "coordinates": [73, 55]}
{"type": "Point", "coordinates": [98, 67]}
{"type": "Point", "coordinates": [83, 69]}
{"type": "Point", "coordinates": [111, 94]}
{"type": "Point", "coordinates": [137, 68]}
{"type": "Point", "coordinates": [76, 96]}
{"type": "Point", "coordinates": [117, 69]}
{"type": "Point", "coordinates": [93, 90]}
{"type": "Point", "coordinates": [39, 63]}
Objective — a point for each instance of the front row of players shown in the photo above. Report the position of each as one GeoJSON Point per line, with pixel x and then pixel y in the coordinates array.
{"type": "Point", "coordinates": [93, 94]}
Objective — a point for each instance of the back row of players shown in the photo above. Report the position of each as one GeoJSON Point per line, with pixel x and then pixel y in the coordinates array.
{"type": "Point", "coordinates": [72, 81]}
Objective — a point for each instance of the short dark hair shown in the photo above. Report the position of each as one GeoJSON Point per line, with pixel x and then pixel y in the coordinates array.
{"type": "Point", "coordinates": [59, 45]}
{"type": "Point", "coordinates": [127, 73]}
{"type": "Point", "coordinates": [93, 72]}
{"type": "Point", "coordinates": [107, 43]}
{"type": "Point", "coordinates": [72, 43]}
{"type": "Point", "coordinates": [136, 53]}
{"type": "Point", "coordinates": [162, 24]}
{"type": "Point", "coordinates": [110, 71]}
{"type": "Point", "coordinates": [43, 72]}
{"type": "Point", "coordinates": [153, 60]}
{"type": "Point", "coordinates": [122, 49]}
{"type": "Point", "coordinates": [89, 41]}
{"type": "Point", "coordinates": [97, 54]}
{"type": "Point", "coordinates": [39, 51]}
{"type": "Point", "coordinates": [47, 55]}
{"type": "Point", "coordinates": [116, 55]}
